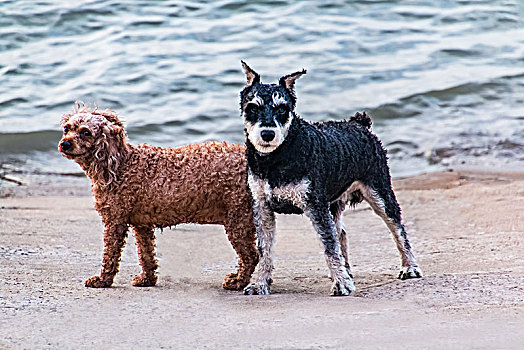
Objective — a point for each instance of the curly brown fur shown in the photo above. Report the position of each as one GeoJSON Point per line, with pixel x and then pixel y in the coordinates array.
{"type": "Point", "coordinates": [147, 187]}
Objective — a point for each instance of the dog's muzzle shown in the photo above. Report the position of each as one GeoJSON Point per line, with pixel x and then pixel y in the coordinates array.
{"type": "Point", "coordinates": [267, 135]}
{"type": "Point", "coordinates": [65, 145]}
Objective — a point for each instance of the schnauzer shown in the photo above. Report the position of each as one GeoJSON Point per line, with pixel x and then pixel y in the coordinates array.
{"type": "Point", "coordinates": [297, 167]}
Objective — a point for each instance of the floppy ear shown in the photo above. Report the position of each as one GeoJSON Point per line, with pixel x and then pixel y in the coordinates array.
{"type": "Point", "coordinates": [251, 75]}
{"type": "Point", "coordinates": [111, 116]}
{"type": "Point", "coordinates": [110, 148]}
{"type": "Point", "coordinates": [288, 81]}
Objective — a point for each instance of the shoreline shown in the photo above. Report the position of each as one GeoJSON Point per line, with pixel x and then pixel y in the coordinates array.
{"type": "Point", "coordinates": [31, 183]}
{"type": "Point", "coordinates": [466, 228]}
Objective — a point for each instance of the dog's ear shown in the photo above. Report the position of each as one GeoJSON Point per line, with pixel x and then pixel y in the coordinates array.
{"type": "Point", "coordinates": [111, 116]}
{"type": "Point", "coordinates": [251, 75]}
{"type": "Point", "coordinates": [288, 81]}
{"type": "Point", "coordinates": [110, 147]}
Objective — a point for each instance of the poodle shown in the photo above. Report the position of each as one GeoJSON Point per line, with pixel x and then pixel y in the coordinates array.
{"type": "Point", "coordinates": [147, 187]}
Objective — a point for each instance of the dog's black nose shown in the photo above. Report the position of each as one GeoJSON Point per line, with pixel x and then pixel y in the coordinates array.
{"type": "Point", "coordinates": [65, 145]}
{"type": "Point", "coordinates": [267, 135]}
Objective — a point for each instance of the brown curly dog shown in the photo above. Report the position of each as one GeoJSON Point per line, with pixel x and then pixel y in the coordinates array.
{"type": "Point", "coordinates": [149, 187]}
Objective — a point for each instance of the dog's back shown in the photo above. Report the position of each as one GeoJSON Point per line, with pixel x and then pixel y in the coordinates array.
{"type": "Point", "coordinates": [337, 153]}
{"type": "Point", "coordinates": [194, 183]}
{"type": "Point", "coordinates": [356, 154]}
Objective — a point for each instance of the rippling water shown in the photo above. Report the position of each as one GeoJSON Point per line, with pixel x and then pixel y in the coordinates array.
{"type": "Point", "coordinates": [443, 80]}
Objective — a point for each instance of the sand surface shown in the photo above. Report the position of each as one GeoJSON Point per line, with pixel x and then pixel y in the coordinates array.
{"type": "Point", "coordinates": [467, 231]}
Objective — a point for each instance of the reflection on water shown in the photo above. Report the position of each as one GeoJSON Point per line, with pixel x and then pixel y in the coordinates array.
{"type": "Point", "coordinates": [443, 81]}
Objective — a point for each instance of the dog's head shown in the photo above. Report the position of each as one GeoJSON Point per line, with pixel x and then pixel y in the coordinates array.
{"type": "Point", "coordinates": [268, 109]}
{"type": "Point", "coordinates": [94, 139]}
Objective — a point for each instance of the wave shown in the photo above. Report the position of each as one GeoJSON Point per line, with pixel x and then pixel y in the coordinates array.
{"type": "Point", "coordinates": [422, 102]}
{"type": "Point", "coordinates": [432, 77]}
{"type": "Point", "coordinates": [19, 143]}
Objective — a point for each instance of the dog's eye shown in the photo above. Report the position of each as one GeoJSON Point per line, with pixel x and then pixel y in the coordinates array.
{"type": "Point", "coordinates": [251, 107]}
{"type": "Point", "coordinates": [282, 115]}
{"type": "Point", "coordinates": [86, 133]}
{"type": "Point", "coordinates": [282, 111]}
{"type": "Point", "coordinates": [66, 130]}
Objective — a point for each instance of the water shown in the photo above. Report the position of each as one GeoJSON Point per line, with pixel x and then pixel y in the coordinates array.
{"type": "Point", "coordinates": [442, 80]}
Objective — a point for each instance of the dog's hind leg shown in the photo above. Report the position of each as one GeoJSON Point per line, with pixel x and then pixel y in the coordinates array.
{"type": "Point", "coordinates": [145, 242]}
{"type": "Point", "coordinates": [114, 239]}
{"type": "Point", "coordinates": [322, 220]}
{"type": "Point", "coordinates": [241, 233]}
{"type": "Point", "coordinates": [336, 209]}
{"type": "Point", "coordinates": [385, 205]}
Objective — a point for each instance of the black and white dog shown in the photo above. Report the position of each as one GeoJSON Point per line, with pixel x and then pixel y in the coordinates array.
{"type": "Point", "coordinates": [297, 167]}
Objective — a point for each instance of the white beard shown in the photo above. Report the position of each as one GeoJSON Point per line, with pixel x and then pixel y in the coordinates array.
{"type": "Point", "coordinates": [254, 130]}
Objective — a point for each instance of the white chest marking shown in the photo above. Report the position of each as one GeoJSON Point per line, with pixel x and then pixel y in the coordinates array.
{"type": "Point", "coordinates": [295, 194]}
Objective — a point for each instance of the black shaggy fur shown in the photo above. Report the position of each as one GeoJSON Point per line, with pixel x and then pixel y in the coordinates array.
{"type": "Point", "coordinates": [340, 162]}
{"type": "Point", "coordinates": [332, 155]}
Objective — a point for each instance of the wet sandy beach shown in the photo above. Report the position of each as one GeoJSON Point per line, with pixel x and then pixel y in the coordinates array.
{"type": "Point", "coordinates": [466, 228]}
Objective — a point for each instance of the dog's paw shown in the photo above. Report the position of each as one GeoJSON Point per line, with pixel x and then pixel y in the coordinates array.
{"type": "Point", "coordinates": [144, 280]}
{"type": "Point", "coordinates": [97, 282]}
{"type": "Point", "coordinates": [410, 272]}
{"type": "Point", "coordinates": [258, 288]}
{"type": "Point", "coordinates": [343, 286]}
{"type": "Point", "coordinates": [233, 282]}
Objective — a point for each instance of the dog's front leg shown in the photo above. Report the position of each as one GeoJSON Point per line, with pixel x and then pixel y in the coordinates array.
{"type": "Point", "coordinates": [264, 219]}
{"type": "Point", "coordinates": [114, 239]}
{"type": "Point", "coordinates": [265, 227]}
{"type": "Point", "coordinates": [320, 216]}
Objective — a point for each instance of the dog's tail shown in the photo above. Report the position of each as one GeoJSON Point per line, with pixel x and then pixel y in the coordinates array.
{"type": "Point", "coordinates": [362, 119]}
